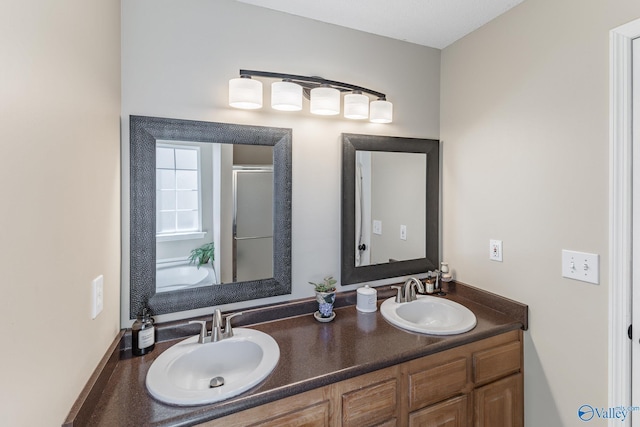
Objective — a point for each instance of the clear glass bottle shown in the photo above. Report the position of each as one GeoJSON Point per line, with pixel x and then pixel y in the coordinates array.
{"type": "Point", "coordinates": [143, 334]}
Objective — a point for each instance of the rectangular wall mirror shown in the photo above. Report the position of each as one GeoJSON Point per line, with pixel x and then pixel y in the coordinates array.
{"type": "Point", "coordinates": [390, 207]}
{"type": "Point", "coordinates": [208, 188]}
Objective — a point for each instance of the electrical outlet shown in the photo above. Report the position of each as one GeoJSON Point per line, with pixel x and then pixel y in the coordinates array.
{"type": "Point", "coordinates": [495, 250]}
{"type": "Point", "coordinates": [403, 232]}
{"type": "Point", "coordinates": [581, 266]}
{"type": "Point", "coordinates": [97, 294]}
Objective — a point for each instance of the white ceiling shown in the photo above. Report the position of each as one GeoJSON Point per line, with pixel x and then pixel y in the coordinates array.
{"type": "Point", "coordinates": [434, 23]}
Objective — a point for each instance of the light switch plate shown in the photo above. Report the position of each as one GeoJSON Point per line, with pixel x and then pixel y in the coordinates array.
{"type": "Point", "coordinates": [403, 232]}
{"type": "Point", "coordinates": [377, 227]}
{"type": "Point", "coordinates": [97, 296]}
{"type": "Point", "coordinates": [581, 266]}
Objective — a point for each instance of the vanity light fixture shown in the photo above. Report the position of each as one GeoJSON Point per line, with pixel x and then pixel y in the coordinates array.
{"type": "Point", "coordinates": [325, 101]}
{"type": "Point", "coordinates": [356, 106]}
{"type": "Point", "coordinates": [245, 93]}
{"type": "Point", "coordinates": [287, 93]}
{"type": "Point", "coordinates": [381, 111]}
{"type": "Point", "coordinates": [286, 96]}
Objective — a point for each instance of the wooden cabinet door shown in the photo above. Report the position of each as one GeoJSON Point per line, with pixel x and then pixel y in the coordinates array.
{"type": "Point", "coordinates": [499, 404]}
{"type": "Point", "coordinates": [450, 413]}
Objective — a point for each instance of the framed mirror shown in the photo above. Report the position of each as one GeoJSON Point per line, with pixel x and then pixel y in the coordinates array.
{"type": "Point", "coordinates": [390, 207]}
{"type": "Point", "coordinates": [222, 187]}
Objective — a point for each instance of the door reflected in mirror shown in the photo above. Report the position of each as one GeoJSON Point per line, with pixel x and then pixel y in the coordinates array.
{"type": "Point", "coordinates": [389, 212]}
{"type": "Point", "coordinates": [214, 214]}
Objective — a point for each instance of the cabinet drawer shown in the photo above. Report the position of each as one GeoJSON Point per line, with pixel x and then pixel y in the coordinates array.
{"type": "Point", "coordinates": [309, 409]}
{"type": "Point", "coordinates": [312, 416]}
{"type": "Point", "coordinates": [497, 362]}
{"type": "Point", "coordinates": [451, 413]}
{"type": "Point", "coordinates": [371, 405]}
{"type": "Point", "coordinates": [437, 383]}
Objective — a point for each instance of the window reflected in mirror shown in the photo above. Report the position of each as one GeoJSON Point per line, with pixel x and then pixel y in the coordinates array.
{"type": "Point", "coordinates": [214, 214]}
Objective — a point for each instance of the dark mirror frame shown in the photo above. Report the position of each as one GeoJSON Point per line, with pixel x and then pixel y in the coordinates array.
{"type": "Point", "coordinates": [145, 131]}
{"type": "Point", "coordinates": [351, 274]}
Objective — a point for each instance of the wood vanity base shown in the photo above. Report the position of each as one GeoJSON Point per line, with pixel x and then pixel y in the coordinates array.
{"type": "Point", "coordinates": [475, 385]}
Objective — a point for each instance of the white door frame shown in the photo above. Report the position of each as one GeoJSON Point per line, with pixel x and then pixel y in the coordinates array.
{"type": "Point", "coordinates": [620, 215]}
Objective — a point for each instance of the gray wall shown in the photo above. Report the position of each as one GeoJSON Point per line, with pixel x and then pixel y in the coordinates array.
{"type": "Point", "coordinates": [177, 59]}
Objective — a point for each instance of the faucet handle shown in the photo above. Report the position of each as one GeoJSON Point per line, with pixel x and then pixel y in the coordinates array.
{"type": "Point", "coordinates": [203, 330]}
{"type": "Point", "coordinates": [216, 326]}
{"type": "Point", "coordinates": [228, 331]}
{"type": "Point", "coordinates": [399, 296]}
{"type": "Point", "coordinates": [217, 318]}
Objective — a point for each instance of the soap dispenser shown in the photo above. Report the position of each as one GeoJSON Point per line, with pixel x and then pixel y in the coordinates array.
{"type": "Point", "coordinates": [143, 334]}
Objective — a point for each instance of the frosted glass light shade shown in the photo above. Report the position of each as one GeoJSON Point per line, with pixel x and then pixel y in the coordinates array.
{"type": "Point", "coordinates": [245, 93]}
{"type": "Point", "coordinates": [381, 111]}
{"type": "Point", "coordinates": [356, 106]}
{"type": "Point", "coordinates": [325, 101]}
{"type": "Point", "coordinates": [286, 96]}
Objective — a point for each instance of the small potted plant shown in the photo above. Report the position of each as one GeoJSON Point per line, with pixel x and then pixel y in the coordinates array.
{"type": "Point", "coordinates": [204, 255]}
{"type": "Point", "coordinates": [326, 296]}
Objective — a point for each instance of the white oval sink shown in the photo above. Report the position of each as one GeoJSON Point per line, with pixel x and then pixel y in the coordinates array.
{"type": "Point", "coordinates": [183, 373]}
{"type": "Point", "coordinates": [429, 315]}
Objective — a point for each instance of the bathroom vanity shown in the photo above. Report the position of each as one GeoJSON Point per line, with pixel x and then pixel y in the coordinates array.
{"type": "Point", "coordinates": [476, 384]}
{"type": "Point", "coordinates": [358, 370]}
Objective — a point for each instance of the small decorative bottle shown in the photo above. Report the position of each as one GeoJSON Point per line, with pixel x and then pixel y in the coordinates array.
{"type": "Point", "coordinates": [430, 285]}
{"type": "Point", "coordinates": [143, 334]}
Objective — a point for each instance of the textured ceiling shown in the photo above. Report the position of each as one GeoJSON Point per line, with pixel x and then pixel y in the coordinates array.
{"type": "Point", "coordinates": [434, 23]}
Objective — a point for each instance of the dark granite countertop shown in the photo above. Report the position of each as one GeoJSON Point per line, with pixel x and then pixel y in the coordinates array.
{"type": "Point", "coordinates": [312, 355]}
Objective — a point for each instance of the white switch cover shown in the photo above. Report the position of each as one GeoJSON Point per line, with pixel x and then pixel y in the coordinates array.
{"type": "Point", "coordinates": [495, 250]}
{"type": "Point", "coordinates": [97, 300]}
{"type": "Point", "coordinates": [377, 226]}
{"type": "Point", "coordinates": [403, 232]}
{"type": "Point", "coordinates": [581, 266]}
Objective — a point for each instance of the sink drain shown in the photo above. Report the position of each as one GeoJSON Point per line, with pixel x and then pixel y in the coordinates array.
{"type": "Point", "coordinates": [216, 382]}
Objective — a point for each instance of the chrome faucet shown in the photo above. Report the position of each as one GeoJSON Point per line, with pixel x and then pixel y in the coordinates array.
{"type": "Point", "coordinates": [410, 288]}
{"type": "Point", "coordinates": [217, 333]}
{"type": "Point", "coordinates": [407, 292]}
